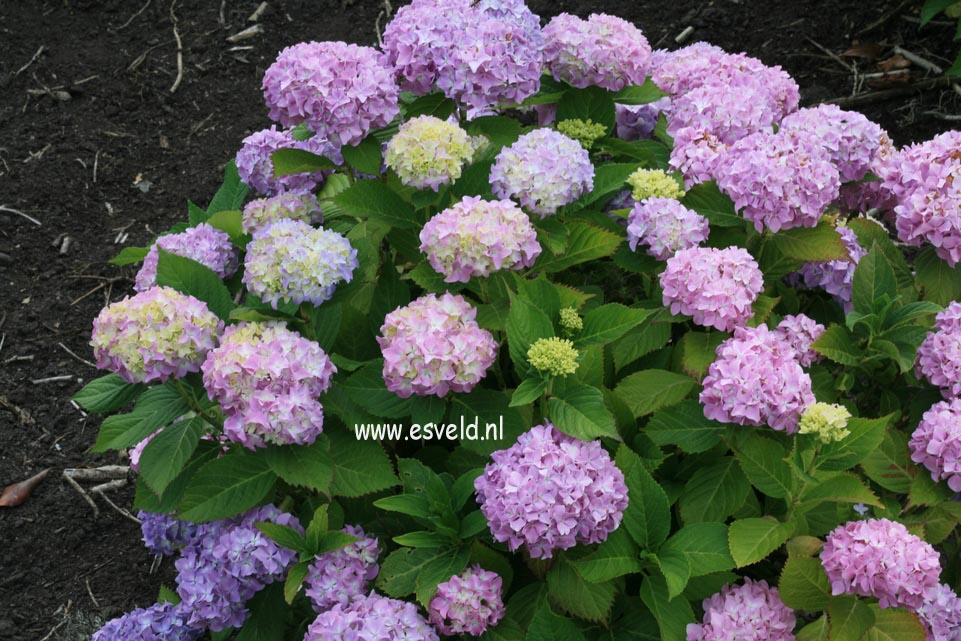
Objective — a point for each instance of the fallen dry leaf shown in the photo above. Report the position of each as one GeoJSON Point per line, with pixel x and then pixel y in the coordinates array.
{"type": "Point", "coordinates": [14, 495]}
{"type": "Point", "coordinates": [869, 50]}
{"type": "Point", "coordinates": [894, 62]}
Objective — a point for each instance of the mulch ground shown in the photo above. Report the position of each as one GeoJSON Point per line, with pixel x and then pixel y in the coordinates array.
{"type": "Point", "coordinates": [95, 147]}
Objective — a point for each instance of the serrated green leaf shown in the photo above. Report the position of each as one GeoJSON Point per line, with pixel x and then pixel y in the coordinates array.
{"type": "Point", "coordinates": [648, 513]}
{"type": "Point", "coordinates": [873, 279]}
{"type": "Point", "coordinates": [526, 323]}
{"type": "Point", "coordinates": [366, 387]}
{"type": "Point", "coordinates": [837, 344]}
{"type": "Point", "coordinates": [295, 578]}
{"type": "Point", "coordinates": [570, 593]}
{"type": "Point", "coordinates": [752, 540]}
{"type": "Point", "coordinates": [714, 492]}
{"type": "Point", "coordinates": [615, 557]}
{"type": "Point", "coordinates": [639, 94]}
{"type": "Point", "coordinates": [889, 465]}
{"type": "Point", "coordinates": [866, 435]}
{"type": "Point", "coordinates": [848, 618]}
{"type": "Point", "coordinates": [685, 426]}
{"type": "Point", "coordinates": [649, 390]}
{"type": "Point", "coordinates": [107, 394]}
{"type": "Point", "coordinates": [283, 536]}
{"type": "Point", "coordinates": [698, 351]}
{"type": "Point", "coordinates": [894, 624]}
{"type": "Point", "coordinates": [487, 408]}
{"type": "Point", "coordinates": [579, 411]}
{"type": "Point", "coordinates": [365, 156]}
{"type": "Point", "coordinates": [129, 256]}
{"type": "Point", "coordinates": [762, 460]}
{"type": "Point", "coordinates": [227, 486]}
{"type": "Point", "coordinates": [706, 199]}
{"type": "Point", "coordinates": [231, 194]}
{"type": "Point", "coordinates": [308, 466]}
{"type": "Point", "coordinates": [820, 243]}
{"type": "Point", "coordinates": [547, 626]}
{"type": "Point", "coordinates": [360, 467]}
{"type": "Point", "coordinates": [289, 161]}
{"type": "Point", "coordinates": [804, 585]}
{"type": "Point", "coordinates": [191, 278]}
{"type": "Point", "coordinates": [585, 243]}
{"type": "Point", "coordinates": [608, 323]}
{"type": "Point", "coordinates": [839, 487]}
{"type": "Point", "coordinates": [528, 391]}
{"type": "Point", "coordinates": [376, 201]}
{"type": "Point", "coordinates": [168, 452]}
{"type": "Point", "coordinates": [155, 408]}
{"type": "Point", "coordinates": [672, 615]}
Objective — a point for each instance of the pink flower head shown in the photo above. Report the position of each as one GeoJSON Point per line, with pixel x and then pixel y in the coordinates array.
{"type": "Point", "coordinates": [665, 226]}
{"type": "Point", "coordinates": [267, 379]}
{"type": "Point", "coordinates": [936, 443]}
{"type": "Point", "coordinates": [477, 237]}
{"type": "Point", "coordinates": [371, 618]}
{"type": "Point", "coordinates": [550, 491]}
{"type": "Point", "coordinates": [153, 336]}
{"type": "Point", "coordinates": [779, 181]}
{"type": "Point", "coordinates": [337, 577]}
{"type": "Point", "coordinates": [697, 155]}
{"type": "Point", "coordinates": [727, 111]}
{"type": "Point", "coordinates": [256, 166]}
{"type": "Point", "coordinates": [340, 91]}
{"type": "Point", "coordinates": [939, 356]}
{"type": "Point", "coordinates": [851, 141]}
{"type": "Point", "coordinates": [208, 246]}
{"type": "Point", "coordinates": [467, 604]}
{"type": "Point", "coordinates": [756, 380]}
{"type": "Point", "coordinates": [941, 614]}
{"type": "Point", "coordinates": [602, 51]}
{"type": "Point", "coordinates": [874, 194]}
{"type": "Point", "coordinates": [749, 612]}
{"type": "Point", "coordinates": [880, 558]}
{"type": "Point", "coordinates": [800, 332]}
{"type": "Point", "coordinates": [836, 277]}
{"type": "Point", "coordinates": [716, 287]}
{"type": "Point", "coordinates": [433, 346]}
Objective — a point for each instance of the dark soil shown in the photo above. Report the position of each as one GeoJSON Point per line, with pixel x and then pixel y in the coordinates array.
{"type": "Point", "coordinates": [109, 150]}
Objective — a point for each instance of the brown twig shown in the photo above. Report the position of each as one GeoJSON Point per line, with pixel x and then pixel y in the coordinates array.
{"type": "Point", "coordinates": [877, 96]}
{"type": "Point", "coordinates": [82, 492]}
{"type": "Point", "coordinates": [79, 358]}
{"type": "Point", "coordinates": [835, 57]}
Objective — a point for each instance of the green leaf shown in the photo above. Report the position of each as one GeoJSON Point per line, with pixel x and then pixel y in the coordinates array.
{"type": "Point", "coordinates": [873, 279]}
{"type": "Point", "coordinates": [685, 426]}
{"type": "Point", "coordinates": [608, 179]}
{"type": "Point", "coordinates": [155, 408]}
{"type": "Point", "coordinates": [335, 540]}
{"type": "Point", "coordinates": [937, 281]}
{"type": "Point", "coordinates": [227, 486]}
{"type": "Point", "coordinates": [487, 408]}
{"type": "Point", "coordinates": [837, 344]}
{"type": "Point", "coordinates": [409, 504]}
{"type": "Point", "coordinates": [231, 194]}
{"type": "Point", "coordinates": [821, 243]}
{"type": "Point", "coordinates": [648, 513]}
{"type": "Point", "coordinates": [698, 351]}
{"type": "Point", "coordinates": [168, 452]}
{"type": "Point", "coordinates": [714, 492]}
{"type": "Point", "coordinates": [649, 390]}
{"type": "Point", "coordinates": [422, 540]}
{"type": "Point", "coordinates": [442, 567]}
{"type": "Point", "coordinates": [639, 94]}
{"type": "Point", "coordinates": [360, 467]}
{"type": "Point", "coordinates": [895, 624]}
{"type": "Point", "coordinates": [649, 153]}
{"type": "Point", "coordinates": [528, 391]}
{"type": "Point", "coordinates": [191, 278]}
{"type": "Point", "coordinates": [676, 568]}
{"type": "Point", "coordinates": [308, 466]}
{"type": "Point", "coordinates": [815, 631]}
{"type": "Point", "coordinates": [615, 557]}
{"type": "Point", "coordinates": [229, 221]}
{"type": "Point", "coordinates": [526, 323]}
{"type": "Point", "coordinates": [866, 435]}
{"type": "Point", "coordinates": [848, 618]}
{"type": "Point", "coordinates": [283, 536]}
{"type": "Point", "coordinates": [590, 103]}
{"type": "Point", "coordinates": [704, 544]}
{"type": "Point", "coordinates": [579, 411]}
{"type": "Point", "coordinates": [398, 572]}
{"type": "Point", "coordinates": [585, 243]}
{"type": "Point", "coordinates": [804, 585]}
{"type": "Point", "coordinates": [288, 161]}
{"type": "Point", "coordinates": [366, 387]}
{"type": "Point", "coordinates": [608, 323]}
{"type": "Point", "coordinates": [268, 616]}
{"type": "Point", "coordinates": [324, 323]}
{"type": "Point", "coordinates": [376, 201]}
{"type": "Point", "coordinates": [890, 464]}
{"type": "Point", "coordinates": [130, 255]}
{"type": "Point", "coordinates": [932, 8]}
{"type": "Point", "coordinates": [706, 199]}
{"type": "Point", "coordinates": [107, 394]}
{"type": "Point", "coordinates": [672, 615]}
{"type": "Point", "coordinates": [547, 626]}
{"type": "Point", "coordinates": [365, 156]}
{"type": "Point", "coordinates": [569, 592]}
{"type": "Point", "coordinates": [295, 578]}
{"type": "Point", "coordinates": [639, 342]}
{"type": "Point", "coordinates": [499, 130]}
{"type": "Point", "coordinates": [841, 487]}
{"type": "Point", "coordinates": [925, 491]}
{"type": "Point", "coordinates": [433, 104]}
{"type": "Point", "coordinates": [763, 462]}
{"type": "Point", "coordinates": [761, 309]}
{"type": "Point", "coordinates": [752, 540]}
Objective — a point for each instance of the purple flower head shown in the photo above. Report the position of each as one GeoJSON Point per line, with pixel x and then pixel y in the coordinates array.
{"type": "Point", "coordinates": [153, 336]}
{"type": "Point", "coordinates": [265, 211]}
{"type": "Point", "coordinates": [468, 603]}
{"type": "Point", "coordinates": [678, 72]}
{"type": "Point", "coordinates": [291, 261]}
{"type": "Point", "coordinates": [227, 563]}
{"type": "Point", "coordinates": [729, 112]}
{"type": "Point", "coordinates": [939, 356]}
{"type": "Point", "coordinates": [800, 332]}
{"type": "Point", "coordinates": [926, 181]}
{"type": "Point", "coordinates": [417, 39]}
{"type": "Point", "coordinates": [851, 141]}
{"type": "Point", "coordinates": [637, 122]}
{"type": "Point", "coordinates": [716, 287]}
{"type": "Point", "coordinates": [340, 91]}
{"type": "Point", "coordinates": [602, 51]}
{"type": "Point", "coordinates": [371, 618]}
{"type": "Point", "coordinates": [778, 181]}
{"type": "Point", "coordinates": [476, 237]}
{"type": "Point", "coordinates": [941, 613]}
{"type": "Point", "coordinates": [339, 576]}
{"type": "Point", "coordinates": [749, 612]}
{"type": "Point", "coordinates": [936, 443]}
{"type": "Point", "coordinates": [208, 246]}
{"type": "Point", "coordinates": [880, 558]}
{"type": "Point", "coordinates": [267, 379]}
{"type": "Point", "coordinates": [665, 226]}
{"type": "Point", "coordinates": [836, 277]}
{"type": "Point", "coordinates": [543, 171]}
{"type": "Point", "coordinates": [159, 622]}
{"type": "Point", "coordinates": [756, 380]}
{"type": "Point", "coordinates": [433, 346]}
{"type": "Point", "coordinates": [256, 168]}
{"type": "Point", "coordinates": [550, 491]}
{"type": "Point", "coordinates": [163, 534]}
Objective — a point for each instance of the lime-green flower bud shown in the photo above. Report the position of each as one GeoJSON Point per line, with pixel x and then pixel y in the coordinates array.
{"type": "Point", "coordinates": [653, 183]}
{"type": "Point", "coordinates": [556, 356]}
{"type": "Point", "coordinates": [827, 421]}
{"type": "Point", "coordinates": [584, 132]}
{"type": "Point", "coordinates": [571, 321]}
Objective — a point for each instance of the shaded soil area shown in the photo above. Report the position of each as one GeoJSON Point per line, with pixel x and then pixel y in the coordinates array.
{"type": "Point", "coordinates": [96, 147]}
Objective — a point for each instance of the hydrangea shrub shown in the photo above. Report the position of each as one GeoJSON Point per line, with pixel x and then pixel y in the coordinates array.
{"type": "Point", "coordinates": [519, 330]}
